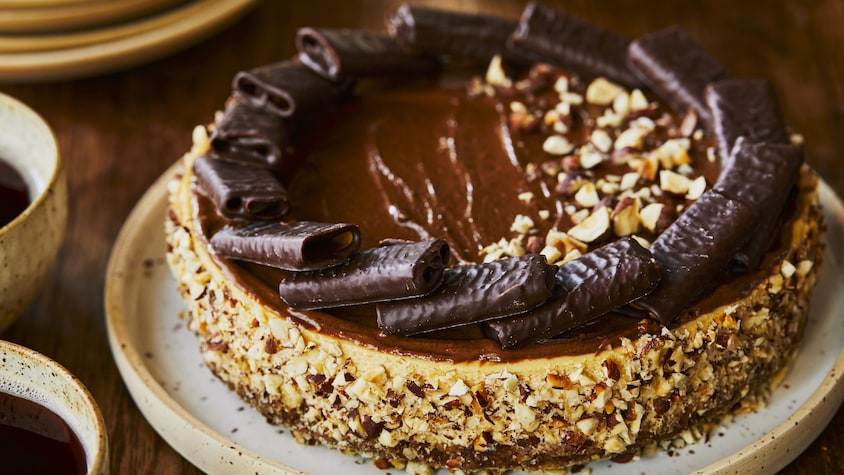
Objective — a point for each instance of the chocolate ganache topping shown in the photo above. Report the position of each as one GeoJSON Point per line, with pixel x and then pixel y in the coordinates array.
{"type": "Point", "coordinates": [555, 192]}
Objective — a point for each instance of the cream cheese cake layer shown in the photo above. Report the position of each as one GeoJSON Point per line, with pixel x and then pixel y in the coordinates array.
{"type": "Point", "coordinates": [536, 412]}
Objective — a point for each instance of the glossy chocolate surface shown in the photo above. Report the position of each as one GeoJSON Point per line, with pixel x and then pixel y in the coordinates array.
{"type": "Point", "coordinates": [427, 160]}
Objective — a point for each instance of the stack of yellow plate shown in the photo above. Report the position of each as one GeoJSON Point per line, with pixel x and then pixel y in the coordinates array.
{"type": "Point", "coordinates": [53, 39]}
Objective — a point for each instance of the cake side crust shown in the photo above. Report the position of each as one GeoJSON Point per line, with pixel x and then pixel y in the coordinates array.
{"type": "Point", "coordinates": [532, 414]}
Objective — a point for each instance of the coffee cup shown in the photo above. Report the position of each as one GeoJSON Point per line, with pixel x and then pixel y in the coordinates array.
{"type": "Point", "coordinates": [31, 238]}
{"type": "Point", "coordinates": [49, 420]}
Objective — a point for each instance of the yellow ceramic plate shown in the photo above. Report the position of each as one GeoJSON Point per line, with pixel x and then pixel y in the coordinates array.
{"type": "Point", "coordinates": [44, 3]}
{"type": "Point", "coordinates": [135, 43]}
{"type": "Point", "coordinates": [48, 16]}
{"type": "Point", "coordinates": [210, 426]}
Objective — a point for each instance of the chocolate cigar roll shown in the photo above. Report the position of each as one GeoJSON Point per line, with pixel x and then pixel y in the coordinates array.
{"type": "Point", "coordinates": [472, 294]}
{"type": "Point", "coordinates": [395, 271]}
{"type": "Point", "coordinates": [761, 175]}
{"type": "Point", "coordinates": [534, 325]}
{"type": "Point", "coordinates": [608, 277]}
{"type": "Point", "coordinates": [332, 53]}
{"type": "Point", "coordinates": [677, 67]}
{"type": "Point", "coordinates": [550, 36]}
{"type": "Point", "coordinates": [743, 107]}
{"type": "Point", "coordinates": [249, 135]}
{"type": "Point", "coordinates": [298, 246]}
{"type": "Point", "coordinates": [288, 87]}
{"type": "Point", "coordinates": [240, 191]}
{"type": "Point", "coordinates": [448, 33]}
{"type": "Point", "coordinates": [596, 283]}
{"type": "Point", "coordinates": [694, 249]}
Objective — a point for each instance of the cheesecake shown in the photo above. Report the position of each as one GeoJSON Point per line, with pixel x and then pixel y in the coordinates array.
{"type": "Point", "coordinates": [595, 267]}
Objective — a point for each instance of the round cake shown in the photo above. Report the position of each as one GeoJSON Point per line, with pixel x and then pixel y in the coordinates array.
{"type": "Point", "coordinates": [569, 253]}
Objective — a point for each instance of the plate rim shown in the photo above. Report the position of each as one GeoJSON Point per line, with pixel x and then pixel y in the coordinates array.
{"type": "Point", "coordinates": [47, 17]}
{"type": "Point", "coordinates": [123, 52]}
{"type": "Point", "coordinates": [156, 405]}
{"type": "Point", "coordinates": [150, 396]}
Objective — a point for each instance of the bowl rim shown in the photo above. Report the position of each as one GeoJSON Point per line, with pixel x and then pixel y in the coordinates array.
{"type": "Point", "coordinates": [37, 201]}
{"type": "Point", "coordinates": [99, 458]}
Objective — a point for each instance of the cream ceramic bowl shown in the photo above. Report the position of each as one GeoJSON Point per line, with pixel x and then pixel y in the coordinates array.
{"type": "Point", "coordinates": [27, 374]}
{"type": "Point", "coordinates": [30, 242]}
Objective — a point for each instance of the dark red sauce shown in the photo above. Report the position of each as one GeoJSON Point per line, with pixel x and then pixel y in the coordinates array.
{"type": "Point", "coordinates": [34, 440]}
{"type": "Point", "coordinates": [14, 196]}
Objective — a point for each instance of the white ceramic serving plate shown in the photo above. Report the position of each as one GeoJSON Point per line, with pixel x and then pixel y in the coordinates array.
{"type": "Point", "coordinates": [210, 426]}
{"type": "Point", "coordinates": [146, 39]}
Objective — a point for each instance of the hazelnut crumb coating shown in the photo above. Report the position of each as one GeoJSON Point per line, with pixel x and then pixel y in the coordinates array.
{"type": "Point", "coordinates": [544, 413]}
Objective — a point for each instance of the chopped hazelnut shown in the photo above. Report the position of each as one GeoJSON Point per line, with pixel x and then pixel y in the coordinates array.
{"type": "Point", "coordinates": [564, 242]}
{"type": "Point", "coordinates": [601, 140]}
{"type": "Point", "coordinates": [587, 425]}
{"type": "Point", "coordinates": [561, 84]}
{"type": "Point", "coordinates": [458, 389]}
{"type": "Point", "coordinates": [621, 104]}
{"type": "Point", "coordinates": [629, 180]}
{"type": "Point", "coordinates": [647, 167]}
{"type": "Point", "coordinates": [560, 127]}
{"type": "Point", "coordinates": [587, 195]}
{"type": "Point", "coordinates": [687, 126]}
{"type": "Point", "coordinates": [696, 188]}
{"type": "Point", "coordinates": [602, 92]}
{"type": "Point", "coordinates": [495, 74]}
{"type": "Point", "coordinates": [631, 138]}
{"type": "Point", "coordinates": [522, 224]}
{"type": "Point", "coordinates": [625, 217]}
{"type": "Point", "coordinates": [514, 247]}
{"type": "Point", "coordinates": [526, 197]}
{"type": "Point", "coordinates": [649, 216]}
{"type": "Point", "coordinates": [711, 156]}
{"type": "Point", "coordinates": [551, 117]}
{"type": "Point", "coordinates": [594, 227]}
{"type": "Point", "coordinates": [563, 109]}
{"type": "Point", "coordinates": [804, 266]}
{"type": "Point", "coordinates": [579, 215]}
{"type": "Point", "coordinates": [673, 182]}
{"type": "Point", "coordinates": [570, 183]}
{"type": "Point", "coordinates": [642, 241]}
{"type": "Point", "coordinates": [571, 255]}
{"type": "Point", "coordinates": [571, 98]}
{"type": "Point", "coordinates": [557, 145]}
{"type": "Point", "coordinates": [521, 119]}
{"type": "Point", "coordinates": [551, 167]}
{"type": "Point", "coordinates": [638, 101]}
{"type": "Point", "coordinates": [590, 158]}
{"type": "Point", "coordinates": [535, 245]}
{"type": "Point", "coordinates": [673, 153]}
{"type": "Point", "coordinates": [787, 269]}
{"type": "Point", "coordinates": [551, 253]}
{"type": "Point", "coordinates": [609, 119]}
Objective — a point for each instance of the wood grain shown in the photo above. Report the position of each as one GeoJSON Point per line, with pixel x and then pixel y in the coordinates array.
{"type": "Point", "coordinates": [119, 132]}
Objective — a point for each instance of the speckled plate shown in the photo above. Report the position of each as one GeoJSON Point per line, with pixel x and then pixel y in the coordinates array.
{"type": "Point", "coordinates": [210, 426]}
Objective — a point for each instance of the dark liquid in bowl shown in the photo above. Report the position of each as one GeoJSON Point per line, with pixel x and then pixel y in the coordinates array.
{"type": "Point", "coordinates": [34, 440]}
{"type": "Point", "coordinates": [14, 196]}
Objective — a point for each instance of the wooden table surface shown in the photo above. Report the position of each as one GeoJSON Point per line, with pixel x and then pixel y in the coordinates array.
{"type": "Point", "coordinates": [118, 132]}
